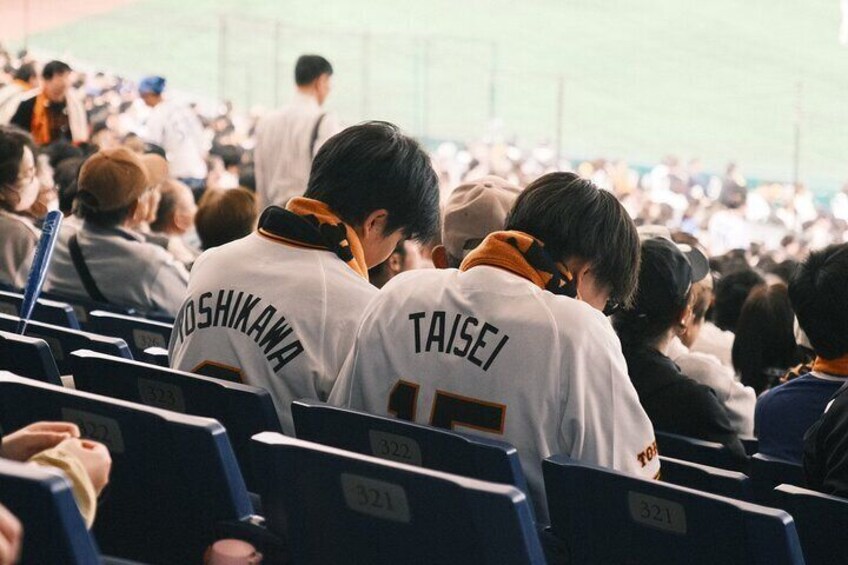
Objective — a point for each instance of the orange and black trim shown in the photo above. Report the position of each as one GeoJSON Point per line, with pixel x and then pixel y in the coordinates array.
{"type": "Point", "coordinates": [310, 224]}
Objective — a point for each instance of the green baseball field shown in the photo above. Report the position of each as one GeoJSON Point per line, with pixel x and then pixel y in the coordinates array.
{"type": "Point", "coordinates": [721, 80]}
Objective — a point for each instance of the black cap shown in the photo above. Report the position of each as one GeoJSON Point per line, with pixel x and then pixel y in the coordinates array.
{"type": "Point", "coordinates": [666, 276]}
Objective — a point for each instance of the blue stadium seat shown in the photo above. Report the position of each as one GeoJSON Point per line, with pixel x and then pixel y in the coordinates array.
{"type": "Point", "coordinates": [83, 307]}
{"type": "Point", "coordinates": [155, 356]}
{"type": "Point", "coordinates": [731, 484]}
{"type": "Point", "coordinates": [604, 516]}
{"type": "Point", "coordinates": [63, 340]}
{"type": "Point", "coordinates": [768, 472]}
{"type": "Point", "coordinates": [47, 311]}
{"type": "Point", "coordinates": [821, 520]}
{"type": "Point", "coordinates": [29, 357]}
{"type": "Point", "coordinates": [695, 450]}
{"type": "Point", "coordinates": [751, 445]}
{"type": "Point", "coordinates": [406, 442]}
{"type": "Point", "coordinates": [336, 506]}
{"type": "Point", "coordinates": [137, 332]}
{"type": "Point", "coordinates": [54, 531]}
{"type": "Point", "coordinates": [174, 477]}
{"type": "Point", "coordinates": [243, 410]}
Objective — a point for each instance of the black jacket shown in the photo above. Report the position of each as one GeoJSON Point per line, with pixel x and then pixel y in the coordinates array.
{"type": "Point", "coordinates": [826, 448]}
{"type": "Point", "coordinates": [677, 404]}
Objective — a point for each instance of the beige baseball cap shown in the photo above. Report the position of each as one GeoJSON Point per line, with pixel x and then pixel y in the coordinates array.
{"type": "Point", "coordinates": [473, 211]}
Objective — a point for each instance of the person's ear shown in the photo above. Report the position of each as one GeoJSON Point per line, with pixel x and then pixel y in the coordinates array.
{"type": "Point", "coordinates": [439, 256]}
{"type": "Point", "coordinates": [395, 263]}
{"type": "Point", "coordinates": [578, 268]}
{"type": "Point", "coordinates": [374, 226]}
{"type": "Point", "coordinates": [182, 221]}
{"type": "Point", "coordinates": [137, 212]}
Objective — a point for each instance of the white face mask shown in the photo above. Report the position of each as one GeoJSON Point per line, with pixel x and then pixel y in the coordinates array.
{"type": "Point", "coordinates": [27, 184]}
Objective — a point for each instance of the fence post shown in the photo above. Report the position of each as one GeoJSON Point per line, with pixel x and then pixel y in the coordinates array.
{"type": "Point", "coordinates": [26, 24]}
{"type": "Point", "coordinates": [365, 108]}
{"type": "Point", "coordinates": [222, 57]}
{"type": "Point", "coordinates": [493, 84]}
{"type": "Point", "coordinates": [276, 59]}
{"type": "Point", "coordinates": [560, 107]}
{"type": "Point", "coordinates": [425, 89]}
{"type": "Point", "coordinates": [799, 109]}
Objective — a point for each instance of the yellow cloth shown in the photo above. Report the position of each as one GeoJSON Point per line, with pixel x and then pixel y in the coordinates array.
{"type": "Point", "coordinates": [84, 492]}
{"type": "Point", "coordinates": [40, 120]}
{"type": "Point", "coordinates": [838, 366]}
{"type": "Point", "coordinates": [331, 233]}
{"type": "Point", "coordinates": [524, 255]}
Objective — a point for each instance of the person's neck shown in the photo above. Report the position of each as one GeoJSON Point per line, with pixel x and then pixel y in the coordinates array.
{"type": "Point", "coordinates": [309, 92]}
{"type": "Point", "coordinates": [663, 342]}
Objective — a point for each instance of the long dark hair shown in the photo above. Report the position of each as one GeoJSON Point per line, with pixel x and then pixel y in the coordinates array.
{"type": "Point", "coordinates": [765, 345]}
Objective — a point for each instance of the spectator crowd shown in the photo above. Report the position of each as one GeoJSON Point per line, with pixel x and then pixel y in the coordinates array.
{"type": "Point", "coordinates": [323, 262]}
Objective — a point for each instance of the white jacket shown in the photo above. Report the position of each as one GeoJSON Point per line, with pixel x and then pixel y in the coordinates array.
{"type": "Point", "coordinates": [274, 315]}
{"type": "Point", "coordinates": [283, 155]}
{"type": "Point", "coordinates": [738, 400]}
{"type": "Point", "coordinates": [488, 351]}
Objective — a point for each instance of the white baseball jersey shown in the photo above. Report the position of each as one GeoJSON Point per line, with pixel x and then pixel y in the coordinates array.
{"type": "Point", "coordinates": [274, 315]}
{"type": "Point", "coordinates": [488, 351]}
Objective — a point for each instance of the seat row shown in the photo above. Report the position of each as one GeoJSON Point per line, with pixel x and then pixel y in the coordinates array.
{"type": "Point", "coordinates": [246, 410]}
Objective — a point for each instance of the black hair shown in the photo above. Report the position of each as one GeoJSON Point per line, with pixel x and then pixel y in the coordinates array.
{"type": "Point", "coordinates": [574, 218]}
{"type": "Point", "coordinates": [731, 291]}
{"type": "Point", "coordinates": [309, 68]}
{"type": "Point", "coordinates": [65, 177]}
{"type": "Point", "coordinates": [92, 215]}
{"type": "Point", "coordinates": [12, 143]}
{"type": "Point", "coordinates": [61, 150]}
{"type": "Point", "coordinates": [785, 270]}
{"type": "Point", "coordinates": [231, 155]}
{"type": "Point", "coordinates": [54, 68]}
{"type": "Point", "coordinates": [764, 347]}
{"type": "Point", "coordinates": [26, 72]}
{"type": "Point", "coordinates": [648, 320]}
{"type": "Point", "coordinates": [373, 166]}
{"type": "Point", "coordinates": [247, 177]}
{"type": "Point", "coordinates": [819, 294]}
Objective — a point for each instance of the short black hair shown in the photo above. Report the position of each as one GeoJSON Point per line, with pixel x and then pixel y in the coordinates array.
{"type": "Point", "coordinates": [65, 177]}
{"type": "Point", "coordinates": [819, 294]}
{"type": "Point", "coordinates": [574, 218]}
{"type": "Point", "coordinates": [54, 68]}
{"type": "Point", "coordinates": [373, 166]}
{"type": "Point", "coordinates": [309, 67]}
{"type": "Point", "coordinates": [731, 291]}
{"type": "Point", "coordinates": [26, 72]}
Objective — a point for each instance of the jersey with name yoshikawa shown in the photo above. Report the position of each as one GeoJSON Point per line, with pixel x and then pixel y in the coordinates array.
{"type": "Point", "coordinates": [488, 351]}
{"type": "Point", "coordinates": [272, 315]}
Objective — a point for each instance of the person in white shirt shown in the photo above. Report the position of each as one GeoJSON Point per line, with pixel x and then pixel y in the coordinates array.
{"type": "Point", "coordinates": [738, 400]}
{"type": "Point", "coordinates": [514, 344]}
{"type": "Point", "coordinates": [279, 308]}
{"type": "Point", "coordinates": [176, 129]}
{"type": "Point", "coordinates": [287, 140]}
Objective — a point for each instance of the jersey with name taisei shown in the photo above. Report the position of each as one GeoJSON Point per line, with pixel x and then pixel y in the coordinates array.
{"type": "Point", "coordinates": [487, 351]}
{"type": "Point", "coordinates": [456, 334]}
{"type": "Point", "coordinates": [271, 315]}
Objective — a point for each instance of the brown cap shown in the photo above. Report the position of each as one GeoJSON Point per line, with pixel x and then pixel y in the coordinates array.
{"type": "Point", "coordinates": [112, 179]}
{"type": "Point", "coordinates": [473, 211]}
{"type": "Point", "coordinates": [157, 168]}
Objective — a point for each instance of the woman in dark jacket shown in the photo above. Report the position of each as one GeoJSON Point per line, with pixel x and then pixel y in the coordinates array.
{"type": "Point", "coordinates": [673, 402]}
